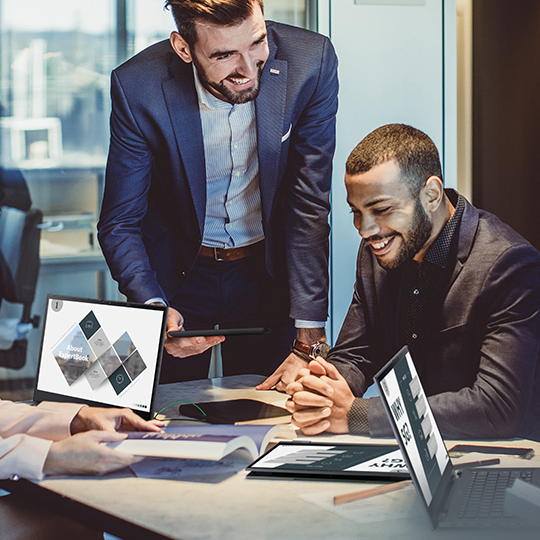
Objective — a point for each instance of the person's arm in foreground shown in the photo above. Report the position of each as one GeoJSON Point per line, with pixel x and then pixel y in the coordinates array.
{"type": "Point", "coordinates": [49, 439]}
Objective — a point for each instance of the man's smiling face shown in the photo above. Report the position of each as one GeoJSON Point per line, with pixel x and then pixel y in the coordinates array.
{"type": "Point", "coordinates": [393, 223]}
{"type": "Point", "coordinates": [229, 59]}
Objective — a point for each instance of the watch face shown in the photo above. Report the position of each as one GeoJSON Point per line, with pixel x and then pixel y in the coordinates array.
{"type": "Point", "coordinates": [322, 349]}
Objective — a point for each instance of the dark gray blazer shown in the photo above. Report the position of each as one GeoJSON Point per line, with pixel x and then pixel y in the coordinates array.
{"type": "Point", "coordinates": [479, 361]}
{"type": "Point", "coordinates": [154, 204]}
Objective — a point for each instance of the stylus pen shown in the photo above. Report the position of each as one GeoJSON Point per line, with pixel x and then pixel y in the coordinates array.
{"type": "Point", "coordinates": [482, 463]}
{"type": "Point", "coordinates": [372, 492]}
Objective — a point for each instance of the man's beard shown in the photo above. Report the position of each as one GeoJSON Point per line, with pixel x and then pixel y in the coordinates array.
{"type": "Point", "coordinates": [235, 98]}
{"type": "Point", "coordinates": [413, 241]}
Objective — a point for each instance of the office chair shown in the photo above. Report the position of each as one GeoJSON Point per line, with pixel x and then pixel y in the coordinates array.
{"type": "Point", "coordinates": [19, 269]}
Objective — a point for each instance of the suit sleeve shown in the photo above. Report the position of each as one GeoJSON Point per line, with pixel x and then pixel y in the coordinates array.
{"type": "Point", "coordinates": [501, 403]}
{"type": "Point", "coordinates": [309, 172]}
{"type": "Point", "coordinates": [125, 202]}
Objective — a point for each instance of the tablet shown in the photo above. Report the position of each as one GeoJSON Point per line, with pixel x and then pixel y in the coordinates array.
{"type": "Point", "coordinates": [219, 332]}
{"type": "Point", "coordinates": [337, 460]}
{"type": "Point", "coordinates": [232, 411]}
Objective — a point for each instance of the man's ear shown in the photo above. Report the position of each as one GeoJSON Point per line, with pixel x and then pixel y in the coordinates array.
{"type": "Point", "coordinates": [181, 47]}
{"type": "Point", "coordinates": [433, 193]}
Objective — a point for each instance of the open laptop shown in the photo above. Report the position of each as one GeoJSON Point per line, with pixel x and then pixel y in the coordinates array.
{"type": "Point", "coordinates": [101, 353]}
{"type": "Point", "coordinates": [452, 498]}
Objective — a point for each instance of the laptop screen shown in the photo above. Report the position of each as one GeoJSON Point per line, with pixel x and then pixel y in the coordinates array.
{"type": "Point", "coordinates": [101, 353]}
{"type": "Point", "coordinates": [413, 422]}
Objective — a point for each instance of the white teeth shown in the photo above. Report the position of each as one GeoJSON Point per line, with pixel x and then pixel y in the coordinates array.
{"type": "Point", "coordinates": [239, 81]}
{"type": "Point", "coordinates": [380, 245]}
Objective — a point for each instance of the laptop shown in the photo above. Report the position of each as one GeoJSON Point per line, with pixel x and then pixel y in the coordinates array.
{"type": "Point", "coordinates": [101, 353]}
{"type": "Point", "coordinates": [471, 497]}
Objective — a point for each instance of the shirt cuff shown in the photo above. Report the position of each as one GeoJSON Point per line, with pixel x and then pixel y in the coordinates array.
{"type": "Point", "coordinates": [300, 323]}
{"type": "Point", "coordinates": [157, 299]}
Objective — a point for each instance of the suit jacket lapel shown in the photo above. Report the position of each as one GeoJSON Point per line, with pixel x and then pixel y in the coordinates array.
{"type": "Point", "coordinates": [270, 107]}
{"type": "Point", "coordinates": [183, 106]}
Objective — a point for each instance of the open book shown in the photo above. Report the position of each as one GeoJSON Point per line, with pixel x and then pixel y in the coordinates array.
{"type": "Point", "coordinates": [209, 442]}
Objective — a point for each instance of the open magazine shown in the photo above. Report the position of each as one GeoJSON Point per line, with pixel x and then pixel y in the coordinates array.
{"type": "Point", "coordinates": [208, 442]}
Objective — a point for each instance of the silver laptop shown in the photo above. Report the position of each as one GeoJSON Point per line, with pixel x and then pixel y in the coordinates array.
{"type": "Point", "coordinates": [451, 497]}
{"type": "Point", "coordinates": [101, 353]}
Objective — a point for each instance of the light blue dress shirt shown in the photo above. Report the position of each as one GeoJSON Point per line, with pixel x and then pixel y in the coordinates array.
{"type": "Point", "coordinates": [233, 197]}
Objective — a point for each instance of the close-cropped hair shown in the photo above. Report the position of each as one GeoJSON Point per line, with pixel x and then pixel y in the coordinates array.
{"type": "Point", "coordinates": [414, 152]}
{"type": "Point", "coordinates": [187, 13]}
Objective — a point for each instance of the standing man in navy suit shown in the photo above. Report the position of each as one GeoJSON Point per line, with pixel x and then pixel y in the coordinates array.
{"type": "Point", "coordinates": [218, 182]}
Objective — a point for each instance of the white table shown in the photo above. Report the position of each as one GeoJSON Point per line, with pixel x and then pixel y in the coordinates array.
{"type": "Point", "coordinates": [237, 507]}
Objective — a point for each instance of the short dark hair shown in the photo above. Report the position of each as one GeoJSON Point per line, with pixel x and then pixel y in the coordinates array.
{"type": "Point", "coordinates": [415, 153]}
{"type": "Point", "coordinates": [187, 13]}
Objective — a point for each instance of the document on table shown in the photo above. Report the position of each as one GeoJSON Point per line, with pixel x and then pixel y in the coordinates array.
{"type": "Point", "coordinates": [173, 468]}
{"type": "Point", "coordinates": [396, 505]}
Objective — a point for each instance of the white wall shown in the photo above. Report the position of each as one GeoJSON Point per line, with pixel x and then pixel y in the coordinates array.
{"type": "Point", "coordinates": [397, 63]}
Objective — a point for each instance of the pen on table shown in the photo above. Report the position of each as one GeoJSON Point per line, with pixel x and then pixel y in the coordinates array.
{"type": "Point", "coordinates": [482, 463]}
{"type": "Point", "coordinates": [372, 492]}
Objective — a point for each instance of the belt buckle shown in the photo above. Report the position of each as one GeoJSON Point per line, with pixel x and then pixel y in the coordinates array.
{"type": "Point", "coordinates": [216, 256]}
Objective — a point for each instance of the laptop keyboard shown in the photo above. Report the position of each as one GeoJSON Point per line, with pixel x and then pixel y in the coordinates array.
{"type": "Point", "coordinates": [484, 496]}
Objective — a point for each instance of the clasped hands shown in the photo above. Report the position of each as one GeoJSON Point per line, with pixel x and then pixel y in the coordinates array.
{"type": "Point", "coordinates": [320, 399]}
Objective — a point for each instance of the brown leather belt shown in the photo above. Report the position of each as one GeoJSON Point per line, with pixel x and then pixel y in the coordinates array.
{"type": "Point", "coordinates": [220, 254]}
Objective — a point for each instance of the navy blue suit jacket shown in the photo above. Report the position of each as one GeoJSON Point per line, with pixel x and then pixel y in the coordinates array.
{"type": "Point", "coordinates": [153, 210]}
{"type": "Point", "coordinates": [479, 358]}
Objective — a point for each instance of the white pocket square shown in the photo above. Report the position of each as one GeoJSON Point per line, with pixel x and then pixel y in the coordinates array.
{"type": "Point", "coordinates": [287, 135]}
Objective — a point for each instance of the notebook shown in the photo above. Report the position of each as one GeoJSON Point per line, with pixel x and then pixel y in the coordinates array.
{"type": "Point", "coordinates": [101, 353]}
{"type": "Point", "coordinates": [451, 498]}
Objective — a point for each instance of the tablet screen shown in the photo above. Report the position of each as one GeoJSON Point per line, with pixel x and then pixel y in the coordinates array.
{"type": "Point", "coordinates": [341, 459]}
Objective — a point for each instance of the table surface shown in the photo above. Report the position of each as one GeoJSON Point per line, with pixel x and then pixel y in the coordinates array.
{"type": "Point", "coordinates": [238, 507]}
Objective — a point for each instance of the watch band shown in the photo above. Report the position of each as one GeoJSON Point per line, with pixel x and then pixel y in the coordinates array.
{"type": "Point", "coordinates": [309, 352]}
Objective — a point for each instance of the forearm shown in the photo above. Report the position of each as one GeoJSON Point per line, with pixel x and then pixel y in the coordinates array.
{"type": "Point", "coordinates": [23, 456]}
{"type": "Point", "coordinates": [48, 420]}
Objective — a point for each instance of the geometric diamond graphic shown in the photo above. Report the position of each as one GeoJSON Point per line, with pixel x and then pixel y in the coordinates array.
{"type": "Point", "coordinates": [90, 325]}
{"type": "Point", "coordinates": [134, 365]}
{"type": "Point", "coordinates": [124, 346]}
{"type": "Point", "coordinates": [109, 361]}
{"type": "Point", "coordinates": [95, 375]}
{"type": "Point", "coordinates": [120, 380]}
{"type": "Point", "coordinates": [99, 342]}
{"type": "Point", "coordinates": [73, 355]}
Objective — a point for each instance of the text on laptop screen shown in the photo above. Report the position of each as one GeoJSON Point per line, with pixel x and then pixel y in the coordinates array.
{"type": "Point", "coordinates": [415, 425]}
{"type": "Point", "coordinates": [100, 352]}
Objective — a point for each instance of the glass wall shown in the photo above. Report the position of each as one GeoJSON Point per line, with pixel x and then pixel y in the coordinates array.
{"type": "Point", "coordinates": [56, 57]}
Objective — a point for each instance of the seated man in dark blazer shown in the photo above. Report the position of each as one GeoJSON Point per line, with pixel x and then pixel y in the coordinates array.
{"type": "Point", "coordinates": [217, 188]}
{"type": "Point", "coordinates": [453, 283]}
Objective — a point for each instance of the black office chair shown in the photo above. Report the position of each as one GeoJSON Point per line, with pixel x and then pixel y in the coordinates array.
{"type": "Point", "coordinates": [19, 263]}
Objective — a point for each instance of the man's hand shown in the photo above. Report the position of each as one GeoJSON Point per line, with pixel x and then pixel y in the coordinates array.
{"type": "Point", "coordinates": [320, 399]}
{"type": "Point", "coordinates": [183, 347]}
{"type": "Point", "coordinates": [287, 371]}
{"type": "Point", "coordinates": [284, 374]}
{"type": "Point", "coordinates": [84, 454]}
{"type": "Point", "coordinates": [104, 419]}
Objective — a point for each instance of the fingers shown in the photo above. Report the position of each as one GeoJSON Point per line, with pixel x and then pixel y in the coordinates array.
{"type": "Point", "coordinates": [284, 374]}
{"type": "Point", "coordinates": [319, 385]}
{"type": "Point", "coordinates": [175, 320]}
{"type": "Point", "coordinates": [131, 421]}
{"type": "Point", "coordinates": [311, 420]}
{"type": "Point", "coordinates": [330, 370]}
{"type": "Point", "coordinates": [316, 367]}
{"type": "Point", "coordinates": [184, 347]}
{"type": "Point", "coordinates": [271, 381]}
